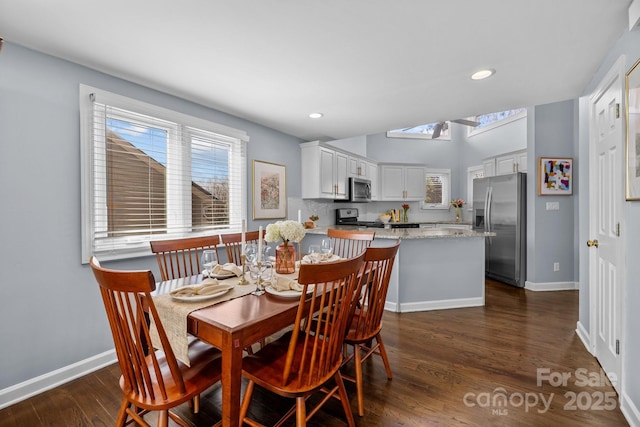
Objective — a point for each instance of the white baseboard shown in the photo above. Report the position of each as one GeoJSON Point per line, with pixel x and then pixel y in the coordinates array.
{"type": "Point", "coordinates": [37, 385]}
{"type": "Point", "coordinates": [390, 306]}
{"type": "Point", "coordinates": [630, 411]}
{"type": "Point", "coordinates": [441, 305]}
{"type": "Point", "coordinates": [584, 336]}
{"type": "Point", "coordinates": [551, 286]}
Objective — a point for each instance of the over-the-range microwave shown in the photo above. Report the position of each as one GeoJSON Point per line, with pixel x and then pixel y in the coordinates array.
{"type": "Point", "coordinates": [359, 190]}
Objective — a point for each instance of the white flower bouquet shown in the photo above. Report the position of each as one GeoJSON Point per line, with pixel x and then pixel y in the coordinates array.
{"type": "Point", "coordinates": [287, 231]}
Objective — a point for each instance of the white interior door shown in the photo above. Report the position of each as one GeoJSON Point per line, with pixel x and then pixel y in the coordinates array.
{"type": "Point", "coordinates": [607, 200]}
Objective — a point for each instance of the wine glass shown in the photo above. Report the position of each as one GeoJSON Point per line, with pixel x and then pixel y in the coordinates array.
{"type": "Point", "coordinates": [314, 253]}
{"type": "Point", "coordinates": [266, 253]}
{"type": "Point", "coordinates": [251, 253]}
{"type": "Point", "coordinates": [267, 272]}
{"type": "Point", "coordinates": [326, 247]}
{"type": "Point", "coordinates": [257, 273]}
{"type": "Point", "coordinates": [209, 261]}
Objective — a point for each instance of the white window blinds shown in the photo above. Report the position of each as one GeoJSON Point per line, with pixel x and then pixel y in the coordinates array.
{"type": "Point", "coordinates": [156, 174]}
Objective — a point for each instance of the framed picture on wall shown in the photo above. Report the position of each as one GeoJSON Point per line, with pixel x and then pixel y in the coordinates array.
{"type": "Point", "coordinates": [633, 132]}
{"type": "Point", "coordinates": [555, 176]}
{"type": "Point", "coordinates": [269, 190]}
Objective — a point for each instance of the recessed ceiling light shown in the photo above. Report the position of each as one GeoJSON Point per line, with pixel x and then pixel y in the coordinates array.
{"type": "Point", "coordinates": [316, 115]}
{"type": "Point", "coordinates": [482, 74]}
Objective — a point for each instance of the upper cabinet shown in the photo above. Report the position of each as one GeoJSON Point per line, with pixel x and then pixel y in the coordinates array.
{"type": "Point", "coordinates": [489, 166]}
{"type": "Point", "coordinates": [402, 182]}
{"type": "Point", "coordinates": [506, 163]}
{"type": "Point", "coordinates": [324, 172]}
{"type": "Point", "coordinates": [358, 167]}
{"type": "Point", "coordinates": [372, 174]}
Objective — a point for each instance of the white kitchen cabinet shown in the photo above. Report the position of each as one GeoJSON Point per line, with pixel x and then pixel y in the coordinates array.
{"type": "Point", "coordinates": [372, 175]}
{"type": "Point", "coordinates": [489, 166]}
{"type": "Point", "coordinates": [358, 167]}
{"type": "Point", "coordinates": [506, 163]}
{"type": "Point", "coordinates": [511, 162]}
{"type": "Point", "coordinates": [402, 182]}
{"type": "Point", "coordinates": [324, 172]}
{"type": "Point", "coordinates": [521, 160]}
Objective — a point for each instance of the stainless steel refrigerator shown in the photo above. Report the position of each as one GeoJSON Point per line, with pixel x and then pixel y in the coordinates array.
{"type": "Point", "coordinates": [500, 206]}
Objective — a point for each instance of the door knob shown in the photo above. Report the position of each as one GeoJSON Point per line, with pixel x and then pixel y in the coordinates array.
{"type": "Point", "coordinates": [592, 243]}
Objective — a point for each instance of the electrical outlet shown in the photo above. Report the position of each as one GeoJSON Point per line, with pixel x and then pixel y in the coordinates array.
{"type": "Point", "coordinates": [556, 266]}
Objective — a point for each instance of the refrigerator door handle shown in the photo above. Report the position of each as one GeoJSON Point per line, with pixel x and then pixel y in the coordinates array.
{"type": "Point", "coordinates": [487, 209]}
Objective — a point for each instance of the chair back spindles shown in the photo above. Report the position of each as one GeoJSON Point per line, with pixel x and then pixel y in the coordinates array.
{"type": "Point", "coordinates": [152, 379]}
{"type": "Point", "coordinates": [181, 257]}
{"type": "Point", "coordinates": [374, 281]}
{"type": "Point", "coordinates": [233, 244]}
{"type": "Point", "coordinates": [364, 333]}
{"type": "Point", "coordinates": [349, 244]}
{"type": "Point", "coordinates": [331, 306]}
{"type": "Point", "coordinates": [121, 293]}
{"type": "Point", "coordinates": [308, 359]}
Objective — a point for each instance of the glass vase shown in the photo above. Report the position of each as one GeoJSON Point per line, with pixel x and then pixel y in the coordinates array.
{"type": "Point", "coordinates": [458, 215]}
{"type": "Point", "coordinates": [405, 217]}
{"type": "Point", "coordinates": [285, 258]}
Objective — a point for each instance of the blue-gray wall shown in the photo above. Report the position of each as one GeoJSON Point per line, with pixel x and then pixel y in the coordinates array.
{"type": "Point", "coordinates": [51, 314]}
{"type": "Point", "coordinates": [551, 236]}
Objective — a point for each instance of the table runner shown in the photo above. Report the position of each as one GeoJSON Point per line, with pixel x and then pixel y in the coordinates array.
{"type": "Point", "coordinates": [173, 315]}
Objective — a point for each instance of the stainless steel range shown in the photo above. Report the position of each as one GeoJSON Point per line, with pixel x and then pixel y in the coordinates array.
{"type": "Point", "coordinates": [349, 216]}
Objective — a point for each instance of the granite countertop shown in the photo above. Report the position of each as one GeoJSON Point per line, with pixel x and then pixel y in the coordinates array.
{"type": "Point", "coordinates": [409, 233]}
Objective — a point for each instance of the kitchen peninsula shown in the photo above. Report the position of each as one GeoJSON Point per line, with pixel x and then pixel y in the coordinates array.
{"type": "Point", "coordinates": [436, 268]}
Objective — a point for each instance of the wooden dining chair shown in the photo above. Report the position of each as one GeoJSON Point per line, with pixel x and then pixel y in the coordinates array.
{"type": "Point", "coordinates": [366, 323]}
{"type": "Point", "coordinates": [181, 257]}
{"type": "Point", "coordinates": [350, 243]}
{"type": "Point", "coordinates": [233, 244]}
{"type": "Point", "coordinates": [152, 380]}
{"type": "Point", "coordinates": [306, 359]}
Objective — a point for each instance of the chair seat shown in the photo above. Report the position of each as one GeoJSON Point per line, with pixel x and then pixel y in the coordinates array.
{"type": "Point", "coordinates": [357, 336]}
{"type": "Point", "coordinates": [266, 366]}
{"type": "Point", "coordinates": [205, 369]}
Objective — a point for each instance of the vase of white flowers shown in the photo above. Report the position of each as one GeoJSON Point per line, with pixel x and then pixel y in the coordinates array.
{"type": "Point", "coordinates": [285, 231]}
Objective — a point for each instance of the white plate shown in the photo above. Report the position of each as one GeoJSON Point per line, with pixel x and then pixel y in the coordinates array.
{"type": "Point", "coordinates": [193, 298]}
{"type": "Point", "coordinates": [287, 294]}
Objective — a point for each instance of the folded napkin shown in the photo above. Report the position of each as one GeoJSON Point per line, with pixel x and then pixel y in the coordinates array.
{"type": "Point", "coordinates": [207, 287]}
{"type": "Point", "coordinates": [321, 258]}
{"type": "Point", "coordinates": [283, 283]}
{"type": "Point", "coordinates": [228, 268]}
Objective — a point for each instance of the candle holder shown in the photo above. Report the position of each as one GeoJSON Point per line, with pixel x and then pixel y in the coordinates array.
{"type": "Point", "coordinates": [243, 261]}
{"type": "Point", "coordinates": [259, 283]}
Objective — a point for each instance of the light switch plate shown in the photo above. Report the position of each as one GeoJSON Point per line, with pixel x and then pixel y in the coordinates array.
{"type": "Point", "coordinates": [553, 206]}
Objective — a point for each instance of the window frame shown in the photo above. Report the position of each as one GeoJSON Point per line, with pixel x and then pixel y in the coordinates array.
{"type": "Point", "coordinates": [445, 135]}
{"type": "Point", "coordinates": [446, 190]}
{"type": "Point", "coordinates": [472, 131]}
{"type": "Point", "coordinates": [138, 246]}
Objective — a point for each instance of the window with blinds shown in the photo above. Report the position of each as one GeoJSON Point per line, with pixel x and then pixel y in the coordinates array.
{"type": "Point", "coordinates": [151, 173]}
{"type": "Point", "coordinates": [438, 189]}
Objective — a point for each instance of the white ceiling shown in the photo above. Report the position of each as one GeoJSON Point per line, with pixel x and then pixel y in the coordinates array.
{"type": "Point", "coordinates": [368, 65]}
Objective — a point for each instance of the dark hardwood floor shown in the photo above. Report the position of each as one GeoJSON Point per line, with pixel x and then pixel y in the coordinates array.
{"type": "Point", "coordinates": [450, 367]}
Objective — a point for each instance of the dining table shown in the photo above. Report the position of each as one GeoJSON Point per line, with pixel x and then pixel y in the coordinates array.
{"type": "Point", "coordinates": [231, 326]}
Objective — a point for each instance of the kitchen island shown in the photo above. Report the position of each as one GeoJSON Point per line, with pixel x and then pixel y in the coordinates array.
{"type": "Point", "coordinates": [436, 268]}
